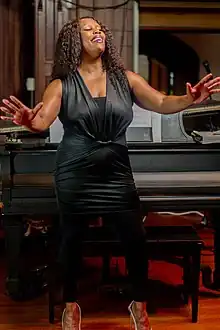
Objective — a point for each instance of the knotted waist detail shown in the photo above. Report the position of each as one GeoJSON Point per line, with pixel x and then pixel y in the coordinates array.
{"type": "Point", "coordinates": [105, 142]}
{"type": "Point", "coordinates": [119, 140]}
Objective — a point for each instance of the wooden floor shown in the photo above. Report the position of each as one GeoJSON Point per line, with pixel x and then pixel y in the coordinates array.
{"type": "Point", "coordinates": [108, 310]}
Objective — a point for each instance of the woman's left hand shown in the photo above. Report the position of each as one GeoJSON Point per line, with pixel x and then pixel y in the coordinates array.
{"type": "Point", "coordinates": [205, 87]}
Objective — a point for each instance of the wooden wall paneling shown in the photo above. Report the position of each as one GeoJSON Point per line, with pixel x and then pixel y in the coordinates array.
{"type": "Point", "coordinates": [198, 5]}
{"type": "Point", "coordinates": [14, 41]}
{"type": "Point", "coordinates": [45, 44]}
{"type": "Point", "coordinates": [40, 43]}
{"type": "Point", "coordinates": [3, 49]}
{"type": "Point", "coordinates": [72, 14]}
{"type": "Point", "coordinates": [154, 74]}
{"type": "Point", "coordinates": [11, 73]}
{"type": "Point", "coordinates": [164, 79]}
{"type": "Point", "coordinates": [49, 30]}
{"type": "Point", "coordinates": [183, 19]}
{"type": "Point", "coordinates": [120, 22]}
{"type": "Point", "coordinates": [159, 76]}
{"type": "Point", "coordinates": [61, 18]}
{"type": "Point", "coordinates": [10, 48]}
{"type": "Point", "coordinates": [81, 12]}
{"type": "Point", "coordinates": [105, 16]}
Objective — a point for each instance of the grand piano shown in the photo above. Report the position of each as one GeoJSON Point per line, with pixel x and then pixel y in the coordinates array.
{"type": "Point", "coordinates": [180, 173]}
{"type": "Point", "coordinates": [168, 177]}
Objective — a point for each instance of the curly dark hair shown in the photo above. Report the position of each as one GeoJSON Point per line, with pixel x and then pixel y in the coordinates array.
{"type": "Point", "coordinates": [69, 49]}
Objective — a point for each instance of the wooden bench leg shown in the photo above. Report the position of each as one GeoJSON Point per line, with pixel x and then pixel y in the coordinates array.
{"type": "Point", "coordinates": [195, 274]}
{"type": "Point", "coordinates": [186, 278]}
{"type": "Point", "coordinates": [54, 291]}
{"type": "Point", "coordinates": [51, 307]}
{"type": "Point", "coordinates": [14, 234]}
{"type": "Point", "coordinates": [106, 259]}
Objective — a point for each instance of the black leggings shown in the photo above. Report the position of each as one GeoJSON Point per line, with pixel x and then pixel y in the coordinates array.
{"type": "Point", "coordinates": [130, 228]}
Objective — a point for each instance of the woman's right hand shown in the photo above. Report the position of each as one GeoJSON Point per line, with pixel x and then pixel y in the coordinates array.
{"type": "Point", "coordinates": [19, 113]}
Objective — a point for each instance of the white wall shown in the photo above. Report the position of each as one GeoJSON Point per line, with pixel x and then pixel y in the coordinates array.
{"type": "Point", "coordinates": [56, 131]}
{"type": "Point", "coordinates": [151, 119]}
{"type": "Point", "coordinates": [207, 47]}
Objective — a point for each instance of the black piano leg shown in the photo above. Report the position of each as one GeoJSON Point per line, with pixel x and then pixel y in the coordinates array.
{"type": "Point", "coordinates": [106, 267]}
{"type": "Point", "coordinates": [186, 279]}
{"type": "Point", "coordinates": [211, 280]}
{"type": "Point", "coordinates": [216, 227]}
{"type": "Point", "coordinates": [195, 275]}
{"type": "Point", "coordinates": [14, 233]}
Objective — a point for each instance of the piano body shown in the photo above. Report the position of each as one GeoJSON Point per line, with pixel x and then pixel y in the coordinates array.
{"type": "Point", "coordinates": [167, 177]}
{"type": "Point", "coordinates": [180, 173]}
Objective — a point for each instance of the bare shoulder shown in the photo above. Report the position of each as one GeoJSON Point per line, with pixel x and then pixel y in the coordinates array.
{"type": "Point", "coordinates": [134, 78]}
{"type": "Point", "coordinates": [56, 85]}
{"type": "Point", "coordinates": [131, 76]}
{"type": "Point", "coordinates": [54, 88]}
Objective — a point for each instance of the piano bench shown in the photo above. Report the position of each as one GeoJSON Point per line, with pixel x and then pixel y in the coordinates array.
{"type": "Point", "coordinates": [179, 242]}
{"type": "Point", "coordinates": [161, 241]}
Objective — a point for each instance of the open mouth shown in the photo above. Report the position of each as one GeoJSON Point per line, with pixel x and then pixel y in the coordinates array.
{"type": "Point", "coordinates": [97, 39]}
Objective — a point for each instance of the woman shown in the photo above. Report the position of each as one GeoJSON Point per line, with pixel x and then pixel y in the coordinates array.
{"type": "Point", "coordinates": [92, 94]}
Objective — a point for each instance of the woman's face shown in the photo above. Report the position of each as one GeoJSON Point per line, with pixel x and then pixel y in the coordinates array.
{"type": "Point", "coordinates": [93, 38]}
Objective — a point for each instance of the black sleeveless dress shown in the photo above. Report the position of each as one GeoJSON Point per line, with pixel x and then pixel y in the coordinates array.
{"type": "Point", "coordinates": [93, 173]}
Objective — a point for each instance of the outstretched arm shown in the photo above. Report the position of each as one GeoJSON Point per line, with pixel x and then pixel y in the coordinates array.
{"type": "Point", "coordinates": [42, 116]}
{"type": "Point", "coordinates": [151, 99]}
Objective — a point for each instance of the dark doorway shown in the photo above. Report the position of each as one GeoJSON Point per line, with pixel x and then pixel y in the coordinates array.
{"type": "Point", "coordinates": [178, 58]}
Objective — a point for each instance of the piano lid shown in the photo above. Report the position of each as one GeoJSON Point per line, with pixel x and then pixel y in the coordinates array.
{"type": "Point", "coordinates": [18, 135]}
{"type": "Point", "coordinates": [202, 121]}
{"type": "Point", "coordinates": [201, 118]}
{"type": "Point", "coordinates": [206, 107]}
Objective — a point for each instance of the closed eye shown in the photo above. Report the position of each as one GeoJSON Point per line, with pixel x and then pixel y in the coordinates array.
{"type": "Point", "coordinates": [87, 29]}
